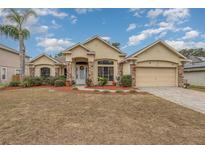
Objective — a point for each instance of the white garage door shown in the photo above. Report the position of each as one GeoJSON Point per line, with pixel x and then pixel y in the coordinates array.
{"type": "Point", "coordinates": [155, 77]}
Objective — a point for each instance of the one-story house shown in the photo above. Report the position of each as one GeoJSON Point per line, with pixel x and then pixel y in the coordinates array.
{"type": "Point", "coordinates": [155, 65]}
{"type": "Point", "coordinates": [9, 63]}
{"type": "Point", "coordinates": [194, 72]}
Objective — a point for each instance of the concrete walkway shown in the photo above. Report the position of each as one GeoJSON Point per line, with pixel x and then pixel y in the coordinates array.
{"type": "Point", "coordinates": [189, 98]}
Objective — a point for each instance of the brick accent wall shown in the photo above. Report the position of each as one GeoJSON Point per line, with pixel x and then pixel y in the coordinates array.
{"type": "Point", "coordinates": [133, 74]}
{"type": "Point", "coordinates": [69, 74]}
{"type": "Point", "coordinates": [181, 76]}
{"type": "Point", "coordinates": [90, 72]}
{"type": "Point", "coordinates": [57, 71]}
{"type": "Point", "coordinates": [32, 71]}
{"type": "Point", "coordinates": [120, 69]}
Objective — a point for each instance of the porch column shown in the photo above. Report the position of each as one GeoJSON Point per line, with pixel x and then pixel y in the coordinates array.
{"type": "Point", "coordinates": [120, 69]}
{"type": "Point", "coordinates": [69, 74]}
{"type": "Point", "coordinates": [133, 73]}
{"type": "Point", "coordinates": [57, 72]}
{"type": "Point", "coordinates": [90, 72]}
{"type": "Point", "coordinates": [32, 71]}
{"type": "Point", "coordinates": [181, 75]}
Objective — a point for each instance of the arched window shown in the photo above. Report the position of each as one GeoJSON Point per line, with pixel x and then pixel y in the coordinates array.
{"type": "Point", "coordinates": [45, 71]}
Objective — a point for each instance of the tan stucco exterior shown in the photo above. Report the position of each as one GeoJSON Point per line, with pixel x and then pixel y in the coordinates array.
{"type": "Point", "coordinates": [9, 60]}
{"type": "Point", "coordinates": [155, 66]}
{"type": "Point", "coordinates": [158, 64]}
{"type": "Point", "coordinates": [41, 62]}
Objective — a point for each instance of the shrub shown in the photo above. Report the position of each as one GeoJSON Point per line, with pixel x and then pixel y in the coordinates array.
{"type": "Point", "coordinates": [74, 88]}
{"type": "Point", "coordinates": [15, 77]}
{"type": "Point", "coordinates": [126, 81]}
{"type": "Point", "coordinates": [36, 81]}
{"type": "Point", "coordinates": [61, 77]}
{"type": "Point", "coordinates": [96, 90]}
{"type": "Point", "coordinates": [102, 81]}
{"type": "Point", "coordinates": [14, 83]}
{"type": "Point", "coordinates": [49, 80]}
{"type": "Point", "coordinates": [106, 91]}
{"type": "Point", "coordinates": [119, 91]}
{"type": "Point", "coordinates": [88, 82]}
{"type": "Point", "coordinates": [59, 83]}
{"type": "Point", "coordinates": [25, 83]}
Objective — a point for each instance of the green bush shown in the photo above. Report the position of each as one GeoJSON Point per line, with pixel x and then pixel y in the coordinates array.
{"type": "Point", "coordinates": [36, 81]}
{"type": "Point", "coordinates": [14, 83]}
{"type": "Point", "coordinates": [126, 81]}
{"type": "Point", "coordinates": [59, 83]}
{"type": "Point", "coordinates": [49, 80]}
{"type": "Point", "coordinates": [25, 83]}
{"type": "Point", "coordinates": [102, 81]}
{"type": "Point", "coordinates": [61, 77]}
{"type": "Point", "coordinates": [74, 88]}
{"type": "Point", "coordinates": [88, 82]}
{"type": "Point", "coordinates": [119, 91]}
{"type": "Point", "coordinates": [106, 91]}
{"type": "Point", "coordinates": [96, 90]}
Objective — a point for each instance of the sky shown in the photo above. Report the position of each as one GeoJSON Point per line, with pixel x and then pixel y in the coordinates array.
{"type": "Point", "coordinates": [54, 30]}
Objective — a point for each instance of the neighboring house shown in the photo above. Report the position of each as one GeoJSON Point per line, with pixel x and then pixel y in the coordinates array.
{"type": "Point", "coordinates": [194, 72]}
{"type": "Point", "coordinates": [9, 63]}
{"type": "Point", "coordinates": [155, 65]}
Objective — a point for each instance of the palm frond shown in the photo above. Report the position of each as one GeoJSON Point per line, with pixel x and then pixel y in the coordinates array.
{"type": "Point", "coordinates": [14, 16]}
{"type": "Point", "coordinates": [26, 33]}
{"type": "Point", "coordinates": [28, 13]}
{"type": "Point", "coordinates": [9, 31]}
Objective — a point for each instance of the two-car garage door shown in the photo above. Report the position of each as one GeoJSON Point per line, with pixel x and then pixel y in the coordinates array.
{"type": "Point", "coordinates": [155, 77]}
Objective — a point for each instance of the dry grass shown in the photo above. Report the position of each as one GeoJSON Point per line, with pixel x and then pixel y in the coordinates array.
{"type": "Point", "coordinates": [40, 116]}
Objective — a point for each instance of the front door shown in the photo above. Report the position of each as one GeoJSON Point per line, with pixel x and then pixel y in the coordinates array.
{"type": "Point", "coordinates": [81, 73]}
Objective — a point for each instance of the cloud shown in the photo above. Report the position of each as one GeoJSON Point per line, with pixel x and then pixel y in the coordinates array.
{"type": "Point", "coordinates": [41, 29]}
{"type": "Point", "coordinates": [136, 39]}
{"type": "Point", "coordinates": [191, 34]}
{"type": "Point", "coordinates": [107, 38]}
{"type": "Point", "coordinates": [73, 19]}
{"type": "Point", "coordinates": [54, 44]}
{"type": "Point", "coordinates": [154, 13]}
{"type": "Point", "coordinates": [55, 25]}
{"type": "Point", "coordinates": [84, 10]}
{"type": "Point", "coordinates": [131, 27]}
{"type": "Point", "coordinates": [179, 45]}
{"type": "Point", "coordinates": [52, 12]}
{"type": "Point", "coordinates": [137, 12]}
{"type": "Point", "coordinates": [187, 28]}
{"type": "Point", "coordinates": [176, 15]}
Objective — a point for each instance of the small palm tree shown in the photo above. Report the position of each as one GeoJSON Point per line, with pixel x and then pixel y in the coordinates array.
{"type": "Point", "coordinates": [17, 31]}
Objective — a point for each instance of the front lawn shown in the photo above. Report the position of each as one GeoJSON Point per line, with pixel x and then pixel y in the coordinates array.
{"type": "Point", "coordinates": [43, 116]}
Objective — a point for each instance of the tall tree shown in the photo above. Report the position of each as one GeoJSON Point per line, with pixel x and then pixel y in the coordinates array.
{"type": "Point", "coordinates": [193, 52]}
{"type": "Point", "coordinates": [116, 44]}
{"type": "Point", "coordinates": [17, 31]}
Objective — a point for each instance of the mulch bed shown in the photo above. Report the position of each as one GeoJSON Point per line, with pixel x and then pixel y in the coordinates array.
{"type": "Point", "coordinates": [110, 87]}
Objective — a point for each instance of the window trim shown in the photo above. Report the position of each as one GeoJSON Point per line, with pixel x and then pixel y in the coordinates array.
{"type": "Point", "coordinates": [6, 73]}
{"type": "Point", "coordinates": [18, 70]}
{"type": "Point", "coordinates": [108, 72]}
{"type": "Point", "coordinates": [46, 68]}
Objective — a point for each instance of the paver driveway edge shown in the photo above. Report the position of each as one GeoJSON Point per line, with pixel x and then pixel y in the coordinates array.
{"type": "Point", "coordinates": [192, 99]}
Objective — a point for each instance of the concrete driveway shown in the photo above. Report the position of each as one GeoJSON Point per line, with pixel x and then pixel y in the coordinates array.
{"type": "Point", "coordinates": [189, 98]}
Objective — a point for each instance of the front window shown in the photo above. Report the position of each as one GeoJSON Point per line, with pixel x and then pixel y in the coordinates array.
{"type": "Point", "coordinates": [17, 72]}
{"type": "Point", "coordinates": [45, 72]}
{"type": "Point", "coordinates": [106, 72]}
{"type": "Point", "coordinates": [106, 69]}
{"type": "Point", "coordinates": [3, 73]}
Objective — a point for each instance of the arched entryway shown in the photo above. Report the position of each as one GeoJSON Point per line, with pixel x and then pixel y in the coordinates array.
{"type": "Point", "coordinates": [81, 70]}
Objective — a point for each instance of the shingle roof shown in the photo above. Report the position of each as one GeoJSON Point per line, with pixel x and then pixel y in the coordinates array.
{"type": "Point", "coordinates": [61, 59]}
{"type": "Point", "coordinates": [2, 46]}
{"type": "Point", "coordinates": [195, 65]}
